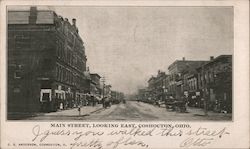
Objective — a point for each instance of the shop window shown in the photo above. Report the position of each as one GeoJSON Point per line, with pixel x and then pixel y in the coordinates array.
{"type": "Point", "coordinates": [45, 97]}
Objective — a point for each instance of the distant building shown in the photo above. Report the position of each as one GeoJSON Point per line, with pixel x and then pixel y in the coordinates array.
{"type": "Point", "coordinates": [166, 87]}
{"type": "Point", "coordinates": [156, 86]}
{"type": "Point", "coordinates": [176, 72]}
{"type": "Point", "coordinates": [116, 97]}
{"type": "Point", "coordinates": [46, 61]}
{"type": "Point", "coordinates": [107, 90]}
{"type": "Point", "coordinates": [96, 87]}
{"type": "Point", "coordinates": [143, 95]}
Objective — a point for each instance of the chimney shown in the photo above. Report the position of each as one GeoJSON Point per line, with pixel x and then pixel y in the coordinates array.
{"type": "Point", "coordinates": [211, 58]}
{"type": "Point", "coordinates": [66, 19]}
{"type": "Point", "coordinates": [74, 22]}
{"type": "Point", "coordinates": [33, 15]}
{"type": "Point", "coordinates": [183, 59]}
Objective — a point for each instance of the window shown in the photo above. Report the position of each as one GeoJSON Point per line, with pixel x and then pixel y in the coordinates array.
{"type": "Point", "coordinates": [68, 76]}
{"type": "Point", "coordinates": [71, 78]}
{"type": "Point", "coordinates": [45, 97]}
{"type": "Point", "coordinates": [57, 72]}
{"type": "Point", "coordinates": [22, 41]}
{"type": "Point", "coordinates": [64, 54]}
{"type": "Point", "coordinates": [16, 90]}
{"type": "Point", "coordinates": [60, 49]}
{"type": "Point", "coordinates": [65, 29]}
{"type": "Point", "coordinates": [195, 84]}
{"type": "Point", "coordinates": [71, 37]}
{"type": "Point", "coordinates": [69, 58]}
{"type": "Point", "coordinates": [59, 26]}
{"type": "Point", "coordinates": [63, 74]}
{"type": "Point", "coordinates": [60, 73]}
{"type": "Point", "coordinates": [57, 48]}
{"type": "Point", "coordinates": [17, 75]}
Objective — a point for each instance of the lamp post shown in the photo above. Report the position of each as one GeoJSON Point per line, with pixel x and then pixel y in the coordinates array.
{"type": "Point", "coordinates": [103, 91]}
{"type": "Point", "coordinates": [163, 94]}
{"type": "Point", "coordinates": [204, 95]}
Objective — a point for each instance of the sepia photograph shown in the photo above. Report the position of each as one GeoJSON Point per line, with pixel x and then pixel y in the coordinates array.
{"type": "Point", "coordinates": [120, 63]}
{"type": "Point", "coordinates": [108, 74]}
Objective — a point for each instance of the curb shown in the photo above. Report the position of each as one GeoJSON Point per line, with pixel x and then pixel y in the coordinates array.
{"type": "Point", "coordinates": [96, 110]}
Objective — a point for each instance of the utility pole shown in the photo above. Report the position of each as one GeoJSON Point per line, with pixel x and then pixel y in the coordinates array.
{"type": "Point", "coordinates": [205, 98]}
{"type": "Point", "coordinates": [103, 82]}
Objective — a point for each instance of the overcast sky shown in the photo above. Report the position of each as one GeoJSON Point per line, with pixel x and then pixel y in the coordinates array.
{"type": "Point", "coordinates": [129, 44]}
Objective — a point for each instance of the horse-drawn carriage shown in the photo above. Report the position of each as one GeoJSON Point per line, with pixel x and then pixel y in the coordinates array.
{"type": "Point", "coordinates": [106, 101]}
{"type": "Point", "coordinates": [176, 105]}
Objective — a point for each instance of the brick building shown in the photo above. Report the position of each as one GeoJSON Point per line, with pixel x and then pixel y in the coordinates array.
{"type": "Point", "coordinates": [176, 75]}
{"type": "Point", "coordinates": [215, 83]}
{"type": "Point", "coordinates": [157, 86]}
{"type": "Point", "coordinates": [46, 61]}
{"type": "Point", "coordinates": [96, 86]}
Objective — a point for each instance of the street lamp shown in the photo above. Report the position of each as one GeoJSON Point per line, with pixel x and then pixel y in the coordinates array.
{"type": "Point", "coordinates": [103, 91]}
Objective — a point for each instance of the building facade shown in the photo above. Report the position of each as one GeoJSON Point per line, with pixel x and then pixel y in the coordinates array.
{"type": "Point", "coordinates": [46, 61]}
{"type": "Point", "coordinates": [116, 97]}
{"type": "Point", "coordinates": [177, 82]}
{"type": "Point", "coordinates": [96, 89]}
{"type": "Point", "coordinates": [157, 87]}
{"type": "Point", "coordinates": [198, 83]}
{"type": "Point", "coordinates": [215, 83]}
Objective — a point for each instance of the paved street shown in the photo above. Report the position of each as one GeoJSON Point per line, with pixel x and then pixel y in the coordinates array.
{"type": "Point", "coordinates": [132, 110]}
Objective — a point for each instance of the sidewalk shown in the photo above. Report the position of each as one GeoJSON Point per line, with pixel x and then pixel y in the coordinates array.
{"type": "Point", "coordinates": [85, 110]}
{"type": "Point", "coordinates": [70, 114]}
{"type": "Point", "coordinates": [210, 114]}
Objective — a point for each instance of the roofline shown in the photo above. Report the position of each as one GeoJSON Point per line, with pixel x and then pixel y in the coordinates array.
{"type": "Point", "coordinates": [176, 61]}
{"type": "Point", "coordinates": [29, 10]}
{"type": "Point", "coordinates": [215, 59]}
{"type": "Point", "coordinates": [96, 74]}
{"type": "Point", "coordinates": [153, 77]}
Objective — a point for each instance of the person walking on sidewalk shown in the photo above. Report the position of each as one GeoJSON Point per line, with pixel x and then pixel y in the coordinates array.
{"type": "Point", "coordinates": [61, 106]}
{"type": "Point", "coordinates": [205, 105]}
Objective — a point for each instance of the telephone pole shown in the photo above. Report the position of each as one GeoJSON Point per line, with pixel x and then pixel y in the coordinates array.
{"type": "Point", "coordinates": [103, 82]}
{"type": "Point", "coordinates": [205, 92]}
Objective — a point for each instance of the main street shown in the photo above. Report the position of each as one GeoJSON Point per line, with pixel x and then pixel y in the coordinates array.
{"type": "Point", "coordinates": [131, 110]}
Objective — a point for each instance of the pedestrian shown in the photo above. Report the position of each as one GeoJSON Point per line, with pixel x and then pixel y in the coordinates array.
{"type": "Point", "coordinates": [103, 102]}
{"type": "Point", "coordinates": [61, 106]}
{"type": "Point", "coordinates": [205, 105]}
{"type": "Point", "coordinates": [92, 98]}
{"type": "Point", "coordinates": [186, 103]}
{"type": "Point", "coordinates": [79, 110]}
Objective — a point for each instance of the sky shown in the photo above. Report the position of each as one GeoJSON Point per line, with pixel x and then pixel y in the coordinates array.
{"type": "Point", "coordinates": [128, 45]}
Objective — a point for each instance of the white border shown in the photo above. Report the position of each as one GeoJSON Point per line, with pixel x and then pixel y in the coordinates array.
{"type": "Point", "coordinates": [239, 128]}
